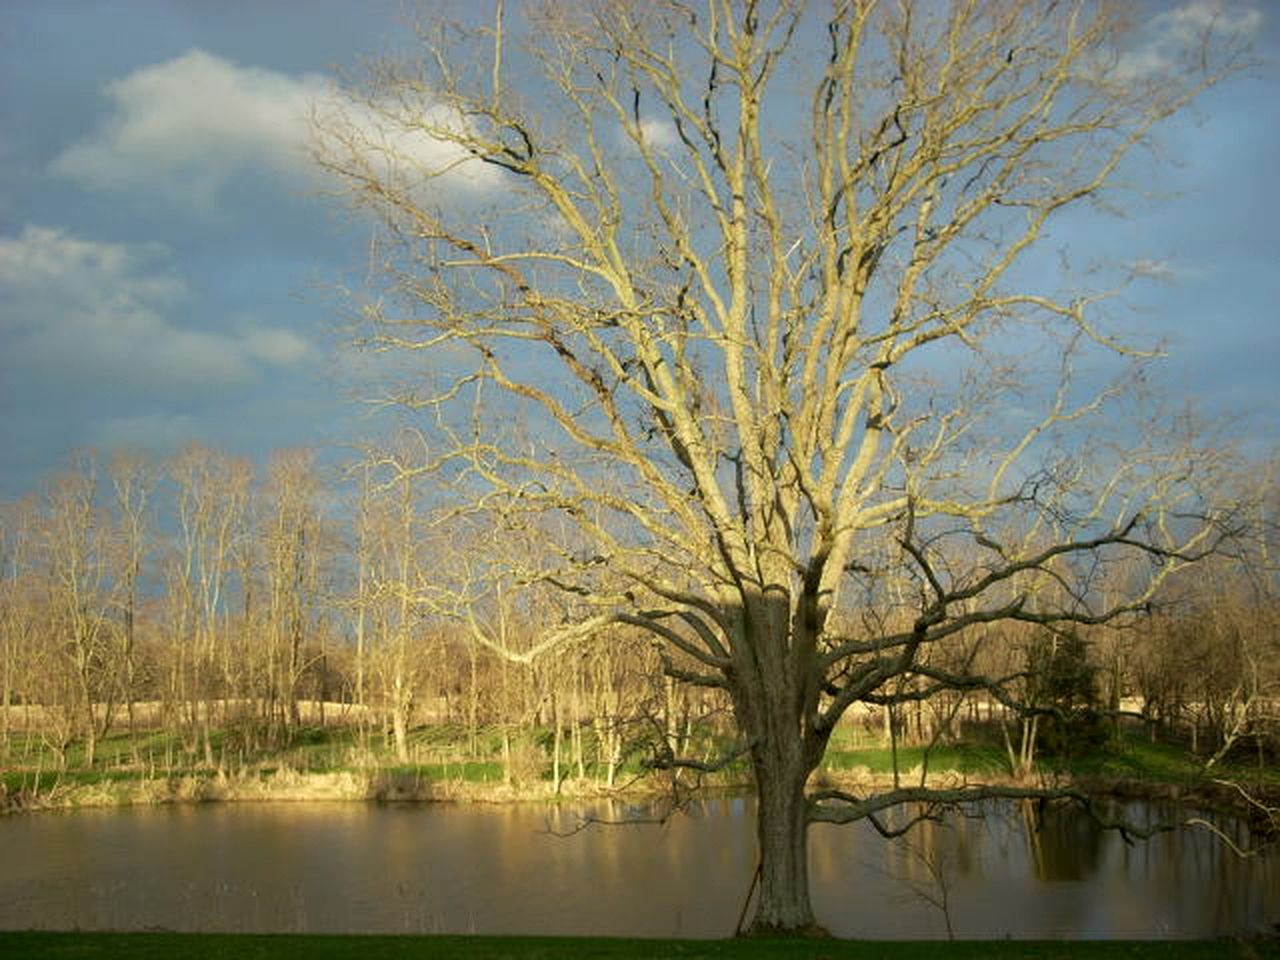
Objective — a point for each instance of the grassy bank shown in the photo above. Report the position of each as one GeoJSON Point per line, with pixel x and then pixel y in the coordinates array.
{"type": "Point", "coordinates": [448, 763]}
{"type": "Point", "coordinates": [318, 762]}
{"type": "Point", "coordinates": [1126, 766]}
{"type": "Point", "coordinates": [163, 946]}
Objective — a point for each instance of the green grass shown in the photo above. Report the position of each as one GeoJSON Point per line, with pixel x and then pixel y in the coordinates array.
{"type": "Point", "coordinates": [163, 946]}
{"type": "Point", "coordinates": [437, 752]}
{"type": "Point", "coordinates": [45, 780]}
{"type": "Point", "coordinates": [468, 771]}
{"type": "Point", "coordinates": [971, 758]}
{"type": "Point", "coordinates": [441, 753]}
{"type": "Point", "coordinates": [149, 767]}
{"type": "Point", "coordinates": [1137, 758]}
{"type": "Point", "coordinates": [1134, 757]}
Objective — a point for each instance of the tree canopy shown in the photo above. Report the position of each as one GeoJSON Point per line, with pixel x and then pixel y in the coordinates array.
{"type": "Point", "coordinates": [740, 312]}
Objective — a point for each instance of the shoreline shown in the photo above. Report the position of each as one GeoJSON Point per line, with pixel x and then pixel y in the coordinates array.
{"type": "Point", "coordinates": [381, 786]}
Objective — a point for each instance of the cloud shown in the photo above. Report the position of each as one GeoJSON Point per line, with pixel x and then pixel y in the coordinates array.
{"type": "Point", "coordinates": [1173, 32]}
{"type": "Point", "coordinates": [192, 124]}
{"type": "Point", "coordinates": [658, 133]}
{"type": "Point", "coordinates": [280, 348]}
{"type": "Point", "coordinates": [1195, 19]}
{"type": "Point", "coordinates": [1150, 268]}
{"type": "Point", "coordinates": [188, 127]}
{"type": "Point", "coordinates": [100, 314]}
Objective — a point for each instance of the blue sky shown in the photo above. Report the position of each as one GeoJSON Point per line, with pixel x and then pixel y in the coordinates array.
{"type": "Point", "coordinates": [168, 263]}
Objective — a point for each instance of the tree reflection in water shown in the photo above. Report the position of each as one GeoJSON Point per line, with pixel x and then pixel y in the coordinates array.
{"type": "Point", "coordinates": [1013, 871]}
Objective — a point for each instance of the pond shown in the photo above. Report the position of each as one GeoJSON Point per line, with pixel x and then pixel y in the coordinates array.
{"type": "Point", "coordinates": [438, 868]}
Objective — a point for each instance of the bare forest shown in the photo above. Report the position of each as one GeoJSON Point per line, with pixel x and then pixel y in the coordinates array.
{"type": "Point", "coordinates": [197, 615]}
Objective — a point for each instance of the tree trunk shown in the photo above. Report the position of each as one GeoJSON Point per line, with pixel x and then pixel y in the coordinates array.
{"type": "Point", "coordinates": [770, 701]}
{"type": "Point", "coordinates": [85, 695]}
{"type": "Point", "coordinates": [473, 746]}
{"type": "Point", "coordinates": [575, 740]}
{"type": "Point", "coordinates": [90, 741]}
{"type": "Point", "coordinates": [783, 905]}
{"type": "Point", "coordinates": [400, 731]}
{"type": "Point", "coordinates": [6, 700]}
{"type": "Point", "coordinates": [555, 741]}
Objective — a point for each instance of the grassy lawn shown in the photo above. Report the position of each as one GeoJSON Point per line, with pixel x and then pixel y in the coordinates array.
{"type": "Point", "coordinates": [143, 769]}
{"type": "Point", "coordinates": [976, 759]}
{"type": "Point", "coordinates": [1134, 757]}
{"type": "Point", "coordinates": [163, 946]}
{"type": "Point", "coordinates": [1140, 759]}
{"type": "Point", "coordinates": [436, 752]}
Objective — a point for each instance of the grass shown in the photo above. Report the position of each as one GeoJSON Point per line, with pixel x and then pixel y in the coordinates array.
{"type": "Point", "coordinates": [1134, 758]}
{"type": "Point", "coordinates": [1137, 758]}
{"type": "Point", "coordinates": [162, 946]}
{"type": "Point", "coordinates": [154, 767]}
{"type": "Point", "coordinates": [331, 762]}
{"type": "Point", "coordinates": [975, 759]}
{"type": "Point", "coordinates": [435, 752]}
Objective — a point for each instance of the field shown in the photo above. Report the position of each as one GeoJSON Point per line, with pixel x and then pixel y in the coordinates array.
{"type": "Point", "coordinates": [331, 756]}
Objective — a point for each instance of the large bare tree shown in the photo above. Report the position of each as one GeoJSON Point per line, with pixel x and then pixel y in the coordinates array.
{"type": "Point", "coordinates": [742, 308]}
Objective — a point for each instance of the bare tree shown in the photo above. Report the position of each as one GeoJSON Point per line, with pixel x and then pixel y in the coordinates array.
{"type": "Point", "coordinates": [212, 498]}
{"type": "Point", "coordinates": [1207, 666]}
{"type": "Point", "coordinates": [293, 544]}
{"type": "Point", "coordinates": [82, 594]}
{"type": "Point", "coordinates": [729, 302]}
{"type": "Point", "coordinates": [132, 480]}
{"type": "Point", "coordinates": [18, 614]}
{"type": "Point", "coordinates": [391, 572]}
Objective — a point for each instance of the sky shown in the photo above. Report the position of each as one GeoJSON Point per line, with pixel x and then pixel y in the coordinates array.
{"type": "Point", "coordinates": [170, 264]}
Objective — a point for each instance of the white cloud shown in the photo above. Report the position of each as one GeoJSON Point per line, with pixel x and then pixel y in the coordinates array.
{"type": "Point", "coordinates": [281, 348]}
{"type": "Point", "coordinates": [1182, 28]}
{"type": "Point", "coordinates": [1195, 19]}
{"type": "Point", "coordinates": [658, 133]}
{"type": "Point", "coordinates": [102, 313]}
{"type": "Point", "coordinates": [193, 123]}
{"type": "Point", "coordinates": [1152, 269]}
{"type": "Point", "coordinates": [187, 127]}
{"type": "Point", "coordinates": [1146, 61]}
{"type": "Point", "coordinates": [411, 144]}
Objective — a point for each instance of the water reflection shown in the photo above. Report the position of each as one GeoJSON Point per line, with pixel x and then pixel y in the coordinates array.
{"type": "Point", "coordinates": [1015, 871]}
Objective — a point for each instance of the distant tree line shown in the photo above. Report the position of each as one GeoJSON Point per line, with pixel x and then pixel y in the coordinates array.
{"type": "Point", "coordinates": [202, 597]}
{"type": "Point", "coordinates": [233, 607]}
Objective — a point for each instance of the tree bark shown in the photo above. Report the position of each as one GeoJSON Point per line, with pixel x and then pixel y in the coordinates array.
{"type": "Point", "coordinates": [771, 709]}
{"type": "Point", "coordinates": [784, 905]}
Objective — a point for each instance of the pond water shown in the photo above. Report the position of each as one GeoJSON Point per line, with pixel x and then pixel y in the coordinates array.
{"type": "Point", "coordinates": [370, 868]}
